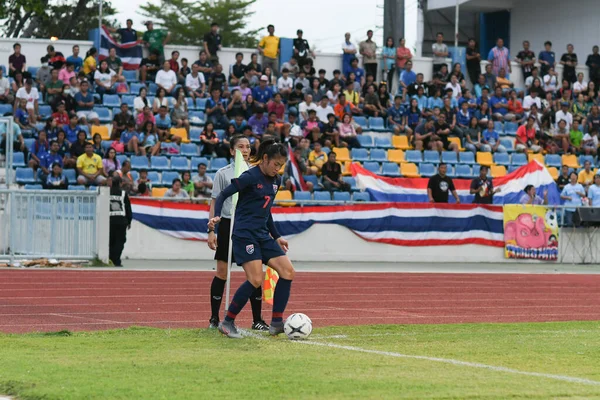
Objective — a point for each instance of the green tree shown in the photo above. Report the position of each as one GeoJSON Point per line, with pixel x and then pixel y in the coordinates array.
{"type": "Point", "coordinates": [188, 21]}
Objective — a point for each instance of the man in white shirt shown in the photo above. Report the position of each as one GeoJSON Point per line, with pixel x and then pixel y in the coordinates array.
{"type": "Point", "coordinates": [532, 77]}
{"type": "Point", "coordinates": [306, 105]}
{"type": "Point", "coordinates": [5, 96]}
{"type": "Point", "coordinates": [580, 85]}
{"type": "Point", "coordinates": [324, 109]}
{"type": "Point", "coordinates": [29, 93]}
{"type": "Point", "coordinates": [285, 84]}
{"type": "Point", "coordinates": [195, 83]}
{"type": "Point", "coordinates": [440, 52]}
{"type": "Point", "coordinates": [530, 99]}
{"type": "Point", "coordinates": [453, 84]}
{"type": "Point", "coordinates": [166, 78]}
{"type": "Point", "coordinates": [564, 113]}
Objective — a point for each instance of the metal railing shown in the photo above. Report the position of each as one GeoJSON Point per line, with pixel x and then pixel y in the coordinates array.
{"type": "Point", "coordinates": [48, 224]}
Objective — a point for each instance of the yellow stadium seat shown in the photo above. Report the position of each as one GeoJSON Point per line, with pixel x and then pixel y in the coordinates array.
{"type": "Point", "coordinates": [159, 192]}
{"type": "Point", "coordinates": [102, 130]}
{"type": "Point", "coordinates": [284, 195]}
{"type": "Point", "coordinates": [570, 161]}
{"type": "Point", "coordinates": [401, 142]}
{"type": "Point", "coordinates": [182, 133]}
{"type": "Point", "coordinates": [498, 171]}
{"type": "Point", "coordinates": [484, 158]}
{"type": "Point", "coordinates": [396, 156]}
{"type": "Point", "coordinates": [342, 154]}
{"type": "Point", "coordinates": [554, 172]}
{"type": "Point", "coordinates": [536, 156]}
{"type": "Point", "coordinates": [347, 168]}
{"type": "Point", "coordinates": [409, 170]}
{"type": "Point", "coordinates": [458, 143]}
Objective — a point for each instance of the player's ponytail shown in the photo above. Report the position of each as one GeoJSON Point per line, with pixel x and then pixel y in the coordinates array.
{"type": "Point", "coordinates": [271, 148]}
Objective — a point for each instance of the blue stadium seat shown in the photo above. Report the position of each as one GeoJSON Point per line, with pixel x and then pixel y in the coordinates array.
{"type": "Point", "coordinates": [501, 159]}
{"type": "Point", "coordinates": [152, 88]}
{"type": "Point", "coordinates": [29, 142]}
{"type": "Point", "coordinates": [191, 104]}
{"type": "Point", "coordinates": [314, 180]}
{"type": "Point", "coordinates": [130, 76]}
{"type": "Point", "coordinates": [390, 169]}
{"type": "Point", "coordinates": [6, 109]}
{"type": "Point", "coordinates": [413, 156]}
{"type": "Point", "coordinates": [361, 121]}
{"type": "Point", "coordinates": [104, 114]}
{"type": "Point", "coordinates": [431, 156]}
{"type": "Point", "coordinates": [24, 176]}
{"type": "Point", "coordinates": [3, 68]}
{"type": "Point", "coordinates": [372, 166]}
{"type": "Point", "coordinates": [33, 71]}
{"type": "Point", "coordinates": [583, 159]}
{"type": "Point", "coordinates": [189, 149]}
{"type": "Point", "coordinates": [135, 88]}
{"type": "Point", "coordinates": [360, 155]}
{"type": "Point", "coordinates": [376, 124]}
{"type": "Point", "coordinates": [427, 169]}
{"type": "Point", "coordinates": [45, 111]}
{"type": "Point", "coordinates": [450, 171]}
{"type": "Point", "coordinates": [350, 181]}
{"type": "Point", "coordinates": [378, 155]}
{"type": "Point", "coordinates": [476, 169]}
{"type": "Point", "coordinates": [111, 100]}
{"type": "Point", "coordinates": [361, 196]}
{"type": "Point", "coordinates": [383, 142]}
{"type": "Point", "coordinates": [302, 195]}
{"type": "Point", "coordinates": [135, 175]}
{"type": "Point", "coordinates": [168, 176]}
{"type": "Point", "coordinates": [195, 134]}
{"type": "Point", "coordinates": [518, 159]}
{"type": "Point", "coordinates": [217, 163]}
{"type": "Point", "coordinates": [139, 162]}
{"type": "Point", "coordinates": [553, 160]}
{"type": "Point", "coordinates": [19, 160]}
{"type": "Point", "coordinates": [512, 168]}
{"type": "Point", "coordinates": [466, 157]}
{"type": "Point", "coordinates": [128, 99]}
{"type": "Point", "coordinates": [508, 144]}
{"type": "Point", "coordinates": [198, 160]}
{"type": "Point", "coordinates": [180, 164]}
{"type": "Point", "coordinates": [365, 140]}
{"type": "Point", "coordinates": [498, 127]}
{"type": "Point", "coordinates": [154, 177]}
{"type": "Point", "coordinates": [220, 134]}
{"type": "Point", "coordinates": [449, 157]}
{"type": "Point", "coordinates": [201, 104]}
{"type": "Point", "coordinates": [122, 158]}
{"type": "Point", "coordinates": [76, 187]}
{"type": "Point", "coordinates": [322, 196]}
{"type": "Point", "coordinates": [326, 150]}
{"type": "Point", "coordinates": [71, 175]}
{"type": "Point", "coordinates": [341, 196]}
{"type": "Point", "coordinates": [510, 128]}
{"type": "Point", "coordinates": [197, 117]}
{"type": "Point", "coordinates": [33, 187]}
{"type": "Point", "coordinates": [463, 171]}
{"type": "Point", "coordinates": [159, 163]}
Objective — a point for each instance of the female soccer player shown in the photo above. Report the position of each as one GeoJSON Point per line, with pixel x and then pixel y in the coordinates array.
{"type": "Point", "coordinates": [255, 238]}
{"type": "Point", "coordinates": [220, 242]}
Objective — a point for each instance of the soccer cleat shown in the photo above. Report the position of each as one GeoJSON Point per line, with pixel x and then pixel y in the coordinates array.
{"type": "Point", "coordinates": [260, 325]}
{"type": "Point", "coordinates": [229, 329]}
{"type": "Point", "coordinates": [213, 323]}
{"type": "Point", "coordinates": [276, 328]}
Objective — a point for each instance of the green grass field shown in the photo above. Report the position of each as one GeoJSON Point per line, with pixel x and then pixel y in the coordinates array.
{"type": "Point", "coordinates": [145, 363]}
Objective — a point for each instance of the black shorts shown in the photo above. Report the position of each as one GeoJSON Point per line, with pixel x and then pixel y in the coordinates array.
{"type": "Point", "coordinates": [223, 241]}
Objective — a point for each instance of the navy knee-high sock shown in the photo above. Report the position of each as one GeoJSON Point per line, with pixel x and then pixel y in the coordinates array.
{"type": "Point", "coordinates": [280, 299]}
{"type": "Point", "coordinates": [240, 298]}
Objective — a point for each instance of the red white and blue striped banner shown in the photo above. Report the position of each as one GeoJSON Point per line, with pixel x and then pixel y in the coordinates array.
{"type": "Point", "coordinates": [129, 53]}
{"type": "Point", "coordinates": [402, 224]}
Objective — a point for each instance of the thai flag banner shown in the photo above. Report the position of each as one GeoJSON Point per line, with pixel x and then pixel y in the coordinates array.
{"type": "Point", "coordinates": [402, 224]}
{"type": "Point", "coordinates": [512, 185]}
{"type": "Point", "coordinates": [129, 53]}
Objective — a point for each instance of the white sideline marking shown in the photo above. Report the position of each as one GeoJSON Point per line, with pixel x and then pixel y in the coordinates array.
{"type": "Point", "coordinates": [563, 378]}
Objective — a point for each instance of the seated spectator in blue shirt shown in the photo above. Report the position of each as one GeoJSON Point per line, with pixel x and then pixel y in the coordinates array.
{"type": "Point", "coordinates": [469, 99]}
{"type": "Point", "coordinates": [530, 196]}
{"type": "Point", "coordinates": [131, 139]}
{"type": "Point", "coordinates": [499, 105]}
{"type": "Point", "coordinates": [572, 194]}
{"type": "Point", "coordinates": [594, 192]}
{"type": "Point", "coordinates": [407, 77]}
{"type": "Point", "coordinates": [38, 150]}
{"type": "Point", "coordinates": [484, 98]}
{"type": "Point", "coordinates": [238, 123]}
{"type": "Point", "coordinates": [413, 116]}
{"type": "Point", "coordinates": [263, 93]}
{"type": "Point", "coordinates": [422, 100]}
{"type": "Point", "coordinates": [48, 159]}
{"type": "Point", "coordinates": [492, 138]}
{"type": "Point", "coordinates": [435, 101]}
{"type": "Point", "coordinates": [215, 110]}
{"type": "Point", "coordinates": [258, 122]}
{"type": "Point", "coordinates": [463, 117]}
{"type": "Point", "coordinates": [396, 119]}
{"type": "Point", "coordinates": [56, 179]}
{"type": "Point", "coordinates": [75, 59]}
{"type": "Point", "coordinates": [72, 129]}
{"type": "Point", "coordinates": [359, 73]}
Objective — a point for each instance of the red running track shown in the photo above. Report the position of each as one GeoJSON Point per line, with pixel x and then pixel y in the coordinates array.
{"type": "Point", "coordinates": [52, 300]}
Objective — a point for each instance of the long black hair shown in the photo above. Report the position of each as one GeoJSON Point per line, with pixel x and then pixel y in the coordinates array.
{"type": "Point", "coordinates": [91, 52]}
{"type": "Point", "coordinates": [271, 148]}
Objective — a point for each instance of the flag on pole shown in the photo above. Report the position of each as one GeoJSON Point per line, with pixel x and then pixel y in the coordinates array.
{"type": "Point", "coordinates": [295, 174]}
{"type": "Point", "coordinates": [129, 53]}
{"type": "Point", "coordinates": [240, 167]}
{"type": "Point", "coordinates": [271, 278]}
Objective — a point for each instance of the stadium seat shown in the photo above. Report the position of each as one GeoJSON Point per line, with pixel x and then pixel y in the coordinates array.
{"type": "Point", "coordinates": [104, 115]}
{"type": "Point", "coordinates": [45, 111]}
{"type": "Point", "coordinates": [135, 88]}
{"type": "Point", "coordinates": [361, 196]}
{"type": "Point", "coordinates": [33, 187]}
{"type": "Point", "coordinates": [154, 177]}
{"type": "Point", "coordinates": [167, 178]}
{"type": "Point", "coordinates": [159, 163]}
{"type": "Point", "coordinates": [158, 192]}
{"type": "Point", "coordinates": [322, 196]}
{"type": "Point", "coordinates": [350, 181]}
{"type": "Point", "coordinates": [106, 145]}
{"type": "Point", "coordinates": [536, 156]}
{"type": "Point", "coordinates": [360, 155]}
{"type": "Point", "coordinates": [554, 172]}
{"type": "Point", "coordinates": [122, 158]}
{"type": "Point", "coordinates": [383, 142]}
{"type": "Point", "coordinates": [191, 104]}
{"type": "Point", "coordinates": [463, 171]}
{"type": "Point", "coordinates": [498, 127]}
{"type": "Point", "coordinates": [456, 141]}
{"type": "Point", "coordinates": [197, 117]}
{"type": "Point", "coordinates": [484, 158]}
{"type": "Point", "coordinates": [29, 142]}
{"type": "Point", "coordinates": [501, 159]}
{"type": "Point", "coordinates": [583, 159]}
{"type": "Point", "coordinates": [570, 160]}
{"type": "Point", "coordinates": [508, 144]}
{"type": "Point", "coordinates": [342, 154]}
{"type": "Point", "coordinates": [139, 162]}
{"type": "Point", "coordinates": [180, 164]}
{"type": "Point", "coordinates": [130, 76]}
{"type": "Point", "coordinates": [284, 195]}
{"type": "Point", "coordinates": [135, 175]}
{"type": "Point", "coordinates": [341, 196]}
{"type": "Point", "coordinates": [312, 179]}
{"type": "Point", "coordinates": [376, 124]}
{"type": "Point", "coordinates": [182, 133]}
{"type": "Point", "coordinates": [220, 133]}
{"type": "Point", "coordinates": [111, 100]}
{"type": "Point", "coordinates": [390, 169]}
{"type": "Point", "coordinates": [431, 156]}
{"type": "Point", "coordinates": [201, 104]}
{"type": "Point", "coordinates": [378, 155]}
{"type": "Point", "coordinates": [302, 195]}
{"type": "Point", "coordinates": [70, 174]}
{"type": "Point", "coordinates": [449, 157]}
{"type": "Point", "coordinates": [498, 171]}
{"type": "Point", "coordinates": [6, 109]}
{"type": "Point", "coordinates": [513, 168]}
{"type": "Point", "coordinates": [372, 166]}
{"type": "Point", "coordinates": [24, 176]}
{"type": "Point", "coordinates": [450, 171]}
{"type": "Point", "coordinates": [427, 169]}
{"type": "Point", "coordinates": [189, 149]}
{"type": "Point", "coordinates": [518, 159]}
{"type": "Point", "coordinates": [477, 169]}
{"type": "Point", "coordinates": [510, 128]}
{"type": "Point", "coordinates": [396, 155]}
{"type": "Point", "coordinates": [33, 71]}
{"type": "Point", "coordinates": [195, 135]}
{"type": "Point", "coordinates": [128, 99]}
{"type": "Point", "coordinates": [413, 156]}
{"type": "Point", "coordinates": [553, 160]}
{"type": "Point", "coordinates": [152, 87]}
{"type": "Point", "coordinates": [217, 163]}
{"type": "Point", "coordinates": [76, 187]}
{"type": "Point", "coordinates": [409, 170]}
{"type": "Point", "coordinates": [401, 142]}
{"type": "Point", "coordinates": [361, 121]}
{"type": "Point", "coordinates": [365, 141]}
{"type": "Point", "coordinates": [18, 160]}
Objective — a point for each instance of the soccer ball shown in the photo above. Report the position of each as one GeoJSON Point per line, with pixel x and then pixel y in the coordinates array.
{"type": "Point", "coordinates": [298, 326]}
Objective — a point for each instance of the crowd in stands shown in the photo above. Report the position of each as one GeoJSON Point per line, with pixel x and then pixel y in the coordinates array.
{"type": "Point", "coordinates": [96, 118]}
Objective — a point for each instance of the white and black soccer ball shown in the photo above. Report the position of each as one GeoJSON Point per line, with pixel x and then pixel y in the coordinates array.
{"type": "Point", "coordinates": [298, 326]}
{"type": "Point", "coordinates": [551, 219]}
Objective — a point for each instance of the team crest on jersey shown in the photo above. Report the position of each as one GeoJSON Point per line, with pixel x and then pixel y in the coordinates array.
{"type": "Point", "coordinates": [259, 186]}
{"type": "Point", "coordinates": [275, 187]}
{"type": "Point", "coordinates": [250, 249]}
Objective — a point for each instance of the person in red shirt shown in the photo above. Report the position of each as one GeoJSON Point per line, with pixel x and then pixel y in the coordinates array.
{"type": "Point", "coordinates": [175, 66]}
{"type": "Point", "coordinates": [61, 116]}
{"type": "Point", "coordinates": [276, 106]}
{"type": "Point", "coordinates": [515, 109]}
{"type": "Point", "coordinates": [526, 139]}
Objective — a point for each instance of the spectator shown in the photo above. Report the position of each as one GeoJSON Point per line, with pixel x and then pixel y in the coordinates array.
{"type": "Point", "coordinates": [499, 57]}
{"type": "Point", "coordinates": [526, 137]}
{"type": "Point", "coordinates": [331, 134]}
{"type": "Point", "coordinates": [55, 59]}
{"type": "Point", "coordinates": [97, 144]}
{"type": "Point", "coordinates": [236, 106]}
{"type": "Point", "coordinates": [526, 58]}
{"type": "Point", "coordinates": [269, 48]}
{"type": "Point", "coordinates": [110, 163]}
{"type": "Point", "coordinates": [236, 70]}
{"type": "Point", "coordinates": [440, 52]}
{"type": "Point", "coordinates": [203, 183]}
{"type": "Point", "coordinates": [463, 116]}
{"type": "Point", "coordinates": [31, 96]}
{"type": "Point", "coordinates": [302, 48]}
{"type": "Point", "coordinates": [67, 73]}
{"type": "Point", "coordinates": [160, 100]}
{"type": "Point", "coordinates": [332, 175]}
{"type": "Point", "coordinates": [311, 126]}
{"type": "Point", "coordinates": [407, 78]}
{"type": "Point", "coordinates": [473, 137]}
{"type": "Point", "coordinates": [285, 83]}
{"type": "Point", "coordinates": [594, 192]}
{"type": "Point", "coordinates": [368, 49]}
{"type": "Point", "coordinates": [105, 78]}
{"type": "Point", "coordinates": [127, 34]}
{"type": "Point", "coordinates": [180, 110]}
{"type": "Point", "coordinates": [564, 114]}
{"type": "Point", "coordinates": [579, 109]}
{"type": "Point", "coordinates": [503, 81]}
{"type": "Point", "coordinates": [348, 132]}
{"type": "Point", "coordinates": [515, 108]}
{"type": "Point", "coordinates": [492, 139]}
{"type": "Point", "coordinates": [593, 63]}
{"type": "Point", "coordinates": [292, 67]}
{"type": "Point", "coordinates": [454, 86]}
{"type": "Point", "coordinates": [5, 96]}
{"type": "Point", "coordinates": [175, 192]}
{"type": "Point", "coordinates": [120, 121]}
{"type": "Point", "coordinates": [563, 178]}
{"type": "Point", "coordinates": [16, 61]}
{"type": "Point", "coordinates": [439, 185]}
{"type": "Point", "coordinates": [253, 70]}
{"type": "Point", "coordinates": [78, 146]}
{"type": "Point", "coordinates": [277, 107]}
{"type": "Point", "coordinates": [559, 138]}
{"type": "Point", "coordinates": [499, 105]}
{"type": "Point", "coordinates": [580, 85]}
{"type": "Point", "coordinates": [215, 110]}
{"type": "Point", "coordinates": [89, 167]}
{"type": "Point", "coordinates": [251, 106]}
{"type": "Point", "coordinates": [149, 139]}
{"type": "Point", "coordinates": [590, 142]}
{"type": "Point", "coordinates": [349, 53]}
{"type": "Point", "coordinates": [209, 141]}
{"type": "Point", "coordinates": [305, 106]}
{"type": "Point", "coordinates": [262, 93]}
{"type": "Point", "coordinates": [195, 83]}
{"type": "Point", "coordinates": [85, 103]}
{"type": "Point", "coordinates": [124, 173]}
{"type": "Point", "coordinates": [547, 58]}
{"type": "Point", "coordinates": [301, 79]}
{"type": "Point", "coordinates": [569, 61]}
{"type": "Point", "coordinates": [163, 126]}
{"type": "Point", "coordinates": [551, 81]}
{"type": "Point", "coordinates": [149, 67]}
{"type": "Point", "coordinates": [155, 39]}
{"type": "Point", "coordinates": [75, 60]}
{"type": "Point", "coordinates": [345, 107]}
{"type": "Point", "coordinates": [42, 76]}
{"type": "Point", "coordinates": [575, 138]}
{"type": "Point", "coordinates": [530, 196]}
{"type": "Point", "coordinates": [586, 175]}
{"type": "Point", "coordinates": [140, 102]}
{"type": "Point", "coordinates": [166, 78]}
{"type": "Point", "coordinates": [440, 78]}
{"type": "Point", "coordinates": [483, 188]}
{"type": "Point", "coordinates": [323, 110]}
{"type": "Point", "coordinates": [130, 139]}
{"type": "Point", "coordinates": [530, 100]}
{"type": "Point", "coordinates": [315, 90]}
{"type": "Point", "coordinates": [389, 60]}
{"type": "Point", "coordinates": [72, 129]}
{"type": "Point", "coordinates": [60, 117]}
{"type": "Point", "coordinates": [490, 77]}
{"type": "Point", "coordinates": [56, 180]}
{"type": "Point", "coordinates": [532, 76]}
{"type": "Point", "coordinates": [317, 158]}
{"type": "Point", "coordinates": [212, 43]}
{"type": "Point", "coordinates": [413, 89]}
{"type": "Point", "coordinates": [352, 95]}
{"type": "Point", "coordinates": [143, 179]}
{"type": "Point", "coordinates": [473, 61]}
{"type": "Point", "coordinates": [572, 194]}
{"type": "Point", "coordinates": [18, 82]}
{"type": "Point", "coordinates": [218, 80]}
{"type": "Point", "coordinates": [89, 63]}
{"type": "Point", "coordinates": [114, 62]}
{"type": "Point", "coordinates": [258, 122]}
{"type": "Point", "coordinates": [47, 159]}
{"type": "Point", "coordinates": [444, 127]}
{"type": "Point", "coordinates": [593, 119]}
